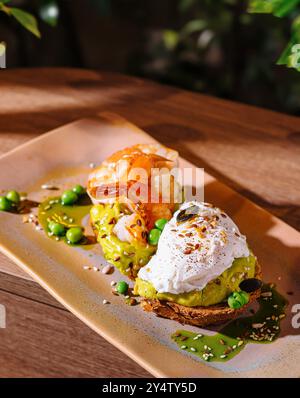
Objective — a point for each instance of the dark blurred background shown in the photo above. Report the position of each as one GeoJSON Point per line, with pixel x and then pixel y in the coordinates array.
{"type": "Point", "coordinates": [210, 46]}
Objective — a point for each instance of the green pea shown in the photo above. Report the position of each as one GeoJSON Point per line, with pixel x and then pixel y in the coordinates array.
{"type": "Point", "coordinates": [69, 198]}
{"type": "Point", "coordinates": [74, 234]}
{"type": "Point", "coordinates": [154, 236]}
{"type": "Point", "coordinates": [235, 300]}
{"type": "Point", "coordinates": [160, 224]}
{"type": "Point", "coordinates": [244, 296]}
{"type": "Point", "coordinates": [5, 204]}
{"type": "Point", "coordinates": [79, 190]}
{"type": "Point", "coordinates": [56, 228]}
{"type": "Point", "coordinates": [13, 196]}
{"type": "Point", "coordinates": [122, 287]}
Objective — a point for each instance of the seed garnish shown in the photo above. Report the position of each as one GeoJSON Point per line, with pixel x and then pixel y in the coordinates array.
{"type": "Point", "coordinates": [107, 270]}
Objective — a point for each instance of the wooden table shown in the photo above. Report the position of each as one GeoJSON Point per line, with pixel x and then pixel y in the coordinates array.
{"type": "Point", "coordinates": [254, 151]}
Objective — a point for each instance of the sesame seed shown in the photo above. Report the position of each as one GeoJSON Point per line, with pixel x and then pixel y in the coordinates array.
{"type": "Point", "coordinates": [92, 165]}
{"type": "Point", "coordinates": [240, 343]}
{"type": "Point", "coordinates": [281, 316]}
{"type": "Point", "coordinates": [257, 325]}
{"type": "Point", "coordinates": [86, 267]}
{"type": "Point", "coordinates": [183, 347]}
{"type": "Point", "coordinates": [48, 186]}
{"type": "Point", "coordinates": [107, 269]}
{"type": "Point", "coordinates": [196, 338]}
{"type": "Point", "coordinates": [95, 269]}
{"type": "Point", "coordinates": [113, 283]}
{"type": "Point", "coordinates": [193, 349]}
{"type": "Point", "coordinates": [223, 356]}
{"type": "Point", "coordinates": [234, 347]}
{"type": "Point", "coordinates": [105, 302]}
{"type": "Point", "coordinates": [266, 294]}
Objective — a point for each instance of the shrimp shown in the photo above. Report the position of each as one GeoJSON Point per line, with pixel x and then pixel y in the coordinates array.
{"type": "Point", "coordinates": [132, 168]}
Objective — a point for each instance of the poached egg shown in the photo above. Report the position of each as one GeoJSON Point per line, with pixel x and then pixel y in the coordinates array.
{"type": "Point", "coordinates": [197, 245]}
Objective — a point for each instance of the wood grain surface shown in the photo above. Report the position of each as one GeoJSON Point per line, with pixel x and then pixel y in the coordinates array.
{"type": "Point", "coordinates": [254, 151]}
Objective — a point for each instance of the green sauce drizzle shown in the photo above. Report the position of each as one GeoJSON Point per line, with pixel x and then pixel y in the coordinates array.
{"type": "Point", "coordinates": [69, 216]}
{"type": "Point", "coordinates": [261, 327]}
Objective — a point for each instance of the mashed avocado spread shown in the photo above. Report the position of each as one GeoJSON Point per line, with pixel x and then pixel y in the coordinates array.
{"type": "Point", "coordinates": [214, 292]}
{"type": "Point", "coordinates": [127, 257]}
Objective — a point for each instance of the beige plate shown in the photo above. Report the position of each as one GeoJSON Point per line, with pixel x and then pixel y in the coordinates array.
{"type": "Point", "coordinates": [62, 157]}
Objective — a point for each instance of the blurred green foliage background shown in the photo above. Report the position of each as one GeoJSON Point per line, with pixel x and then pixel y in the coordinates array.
{"type": "Point", "coordinates": [211, 46]}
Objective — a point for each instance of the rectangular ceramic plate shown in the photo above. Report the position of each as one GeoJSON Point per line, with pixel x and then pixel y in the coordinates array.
{"type": "Point", "coordinates": [62, 157]}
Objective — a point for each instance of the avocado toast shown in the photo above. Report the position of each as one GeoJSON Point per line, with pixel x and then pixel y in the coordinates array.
{"type": "Point", "coordinates": [203, 272]}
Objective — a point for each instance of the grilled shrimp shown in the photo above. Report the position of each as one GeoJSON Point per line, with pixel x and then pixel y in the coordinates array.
{"type": "Point", "coordinates": [132, 168]}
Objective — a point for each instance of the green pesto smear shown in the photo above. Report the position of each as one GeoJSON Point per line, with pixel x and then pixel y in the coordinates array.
{"type": "Point", "coordinates": [262, 327]}
{"type": "Point", "coordinates": [68, 216]}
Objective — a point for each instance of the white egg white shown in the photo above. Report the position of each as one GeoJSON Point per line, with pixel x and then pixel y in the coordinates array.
{"type": "Point", "coordinates": [192, 253]}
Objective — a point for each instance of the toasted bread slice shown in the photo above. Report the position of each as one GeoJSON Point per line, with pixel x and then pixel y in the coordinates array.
{"type": "Point", "coordinates": [198, 316]}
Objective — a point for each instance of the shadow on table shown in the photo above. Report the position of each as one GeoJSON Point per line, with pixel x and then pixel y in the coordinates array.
{"type": "Point", "coordinates": [177, 136]}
